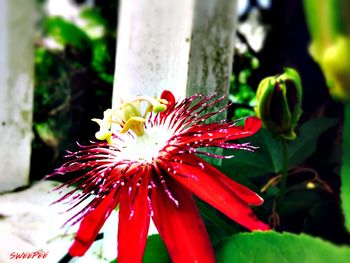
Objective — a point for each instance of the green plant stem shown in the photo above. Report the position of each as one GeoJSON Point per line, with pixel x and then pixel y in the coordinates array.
{"type": "Point", "coordinates": [284, 171]}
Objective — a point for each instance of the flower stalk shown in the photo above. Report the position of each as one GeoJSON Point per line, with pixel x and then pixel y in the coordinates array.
{"type": "Point", "coordinates": [284, 172]}
{"type": "Point", "coordinates": [279, 107]}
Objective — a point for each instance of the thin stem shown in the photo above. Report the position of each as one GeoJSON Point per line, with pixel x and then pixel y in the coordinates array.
{"type": "Point", "coordinates": [284, 172]}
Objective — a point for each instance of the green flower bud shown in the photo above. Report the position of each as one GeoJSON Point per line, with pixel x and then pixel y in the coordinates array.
{"type": "Point", "coordinates": [279, 103]}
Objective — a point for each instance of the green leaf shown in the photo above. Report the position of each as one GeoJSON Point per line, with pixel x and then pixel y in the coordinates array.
{"type": "Point", "coordinates": [263, 160]}
{"type": "Point", "coordinates": [306, 142]}
{"type": "Point", "coordinates": [267, 247]}
{"type": "Point", "coordinates": [345, 170]}
{"type": "Point", "coordinates": [155, 251]}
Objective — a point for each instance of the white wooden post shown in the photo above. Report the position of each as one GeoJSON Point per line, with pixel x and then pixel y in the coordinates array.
{"type": "Point", "coordinates": [185, 46]}
{"type": "Point", "coordinates": [212, 45]}
{"type": "Point", "coordinates": [16, 91]}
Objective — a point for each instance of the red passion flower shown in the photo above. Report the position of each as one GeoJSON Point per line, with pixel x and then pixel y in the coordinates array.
{"type": "Point", "coordinates": [148, 165]}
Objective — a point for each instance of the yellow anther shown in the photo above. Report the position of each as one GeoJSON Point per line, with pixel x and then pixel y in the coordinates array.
{"type": "Point", "coordinates": [163, 101]}
{"type": "Point", "coordinates": [106, 122]}
{"type": "Point", "coordinates": [104, 135]}
{"type": "Point", "coordinates": [105, 125]}
{"type": "Point", "coordinates": [155, 105]}
{"type": "Point", "coordinates": [159, 108]}
{"type": "Point", "coordinates": [128, 115]}
{"type": "Point", "coordinates": [136, 124]}
{"type": "Point", "coordinates": [131, 110]}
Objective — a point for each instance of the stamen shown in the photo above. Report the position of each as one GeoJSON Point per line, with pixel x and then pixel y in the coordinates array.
{"type": "Point", "coordinates": [128, 116]}
{"type": "Point", "coordinates": [136, 124]}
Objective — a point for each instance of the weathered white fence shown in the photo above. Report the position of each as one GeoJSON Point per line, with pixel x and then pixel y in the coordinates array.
{"type": "Point", "coordinates": [16, 91]}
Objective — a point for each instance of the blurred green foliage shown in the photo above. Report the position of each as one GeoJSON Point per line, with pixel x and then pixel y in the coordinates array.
{"type": "Point", "coordinates": [242, 93]}
{"type": "Point", "coordinates": [74, 69]}
{"type": "Point", "coordinates": [329, 27]}
{"type": "Point", "coordinates": [345, 170]}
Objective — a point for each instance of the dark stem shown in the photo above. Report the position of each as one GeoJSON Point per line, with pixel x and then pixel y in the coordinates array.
{"type": "Point", "coordinates": [68, 258]}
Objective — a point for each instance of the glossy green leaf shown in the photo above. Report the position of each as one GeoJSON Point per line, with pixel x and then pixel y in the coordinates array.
{"type": "Point", "coordinates": [267, 247]}
{"type": "Point", "coordinates": [263, 160]}
{"type": "Point", "coordinates": [345, 170]}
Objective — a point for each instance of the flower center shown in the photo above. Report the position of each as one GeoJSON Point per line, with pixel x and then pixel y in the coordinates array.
{"type": "Point", "coordinates": [145, 148]}
{"type": "Point", "coordinates": [129, 116]}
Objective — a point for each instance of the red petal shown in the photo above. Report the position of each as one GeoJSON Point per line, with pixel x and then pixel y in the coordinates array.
{"type": "Point", "coordinates": [221, 132]}
{"type": "Point", "coordinates": [244, 193]}
{"type": "Point", "coordinates": [218, 194]}
{"type": "Point", "coordinates": [92, 224]}
{"type": "Point", "coordinates": [251, 126]}
{"type": "Point", "coordinates": [181, 228]}
{"type": "Point", "coordinates": [168, 96]}
{"type": "Point", "coordinates": [133, 224]}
